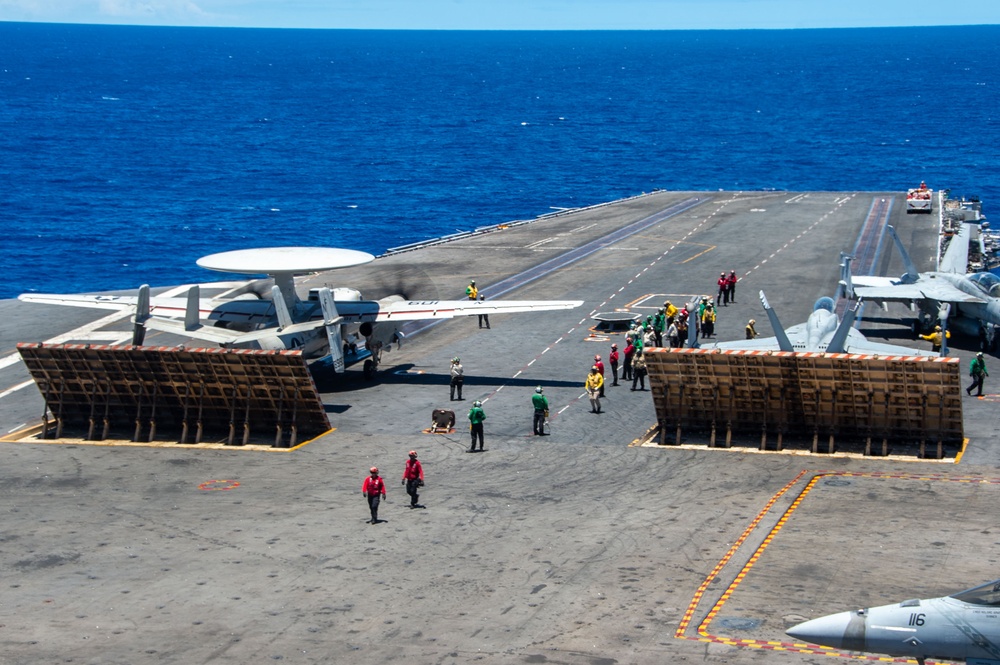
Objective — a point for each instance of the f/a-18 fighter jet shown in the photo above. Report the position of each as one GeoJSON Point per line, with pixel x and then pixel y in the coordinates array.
{"type": "Point", "coordinates": [823, 332]}
{"type": "Point", "coordinates": [964, 626]}
{"type": "Point", "coordinates": [965, 302]}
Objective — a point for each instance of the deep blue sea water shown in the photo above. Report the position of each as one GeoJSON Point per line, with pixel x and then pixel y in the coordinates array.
{"type": "Point", "coordinates": [126, 153]}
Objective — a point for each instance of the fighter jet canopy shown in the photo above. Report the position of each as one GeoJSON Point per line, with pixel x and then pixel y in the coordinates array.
{"type": "Point", "coordinates": [987, 594]}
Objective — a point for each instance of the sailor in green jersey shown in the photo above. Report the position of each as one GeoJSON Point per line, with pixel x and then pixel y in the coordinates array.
{"type": "Point", "coordinates": [977, 370]}
{"type": "Point", "coordinates": [476, 418]}
{"type": "Point", "coordinates": [541, 404]}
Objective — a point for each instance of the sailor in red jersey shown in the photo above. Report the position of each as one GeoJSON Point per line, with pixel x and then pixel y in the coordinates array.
{"type": "Point", "coordinates": [374, 490]}
{"type": "Point", "coordinates": [413, 478]}
{"type": "Point", "coordinates": [723, 298]}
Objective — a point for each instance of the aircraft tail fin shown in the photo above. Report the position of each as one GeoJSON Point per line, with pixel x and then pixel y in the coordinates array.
{"type": "Point", "coordinates": [784, 343]}
{"type": "Point", "coordinates": [281, 308]}
{"type": "Point", "coordinates": [191, 312]}
{"type": "Point", "coordinates": [692, 307]}
{"type": "Point", "coordinates": [331, 320]}
{"type": "Point", "coordinates": [956, 257]}
{"type": "Point", "coordinates": [839, 339]}
{"type": "Point", "coordinates": [141, 316]}
{"type": "Point", "coordinates": [912, 274]}
{"type": "Point", "coordinates": [845, 288]}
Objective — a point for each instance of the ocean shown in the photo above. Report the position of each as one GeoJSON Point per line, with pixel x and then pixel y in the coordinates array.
{"type": "Point", "coordinates": [126, 153]}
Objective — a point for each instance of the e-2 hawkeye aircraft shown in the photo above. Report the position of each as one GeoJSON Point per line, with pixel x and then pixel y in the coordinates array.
{"type": "Point", "coordinates": [334, 321]}
{"type": "Point", "coordinates": [967, 302]}
{"type": "Point", "coordinates": [964, 626]}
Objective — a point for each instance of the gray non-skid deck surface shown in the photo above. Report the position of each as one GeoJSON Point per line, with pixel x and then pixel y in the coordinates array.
{"type": "Point", "coordinates": [572, 548]}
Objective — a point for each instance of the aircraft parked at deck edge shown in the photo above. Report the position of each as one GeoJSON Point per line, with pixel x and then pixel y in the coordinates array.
{"type": "Point", "coordinates": [962, 626]}
{"type": "Point", "coordinates": [335, 321]}
{"type": "Point", "coordinates": [971, 301]}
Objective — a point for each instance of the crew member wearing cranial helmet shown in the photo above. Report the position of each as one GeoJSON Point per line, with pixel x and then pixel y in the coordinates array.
{"type": "Point", "coordinates": [457, 378]}
{"type": "Point", "coordinates": [476, 418]}
{"type": "Point", "coordinates": [413, 478]}
{"type": "Point", "coordinates": [373, 489]}
{"type": "Point", "coordinates": [541, 404]}
{"type": "Point", "coordinates": [600, 370]}
{"type": "Point", "coordinates": [593, 386]}
{"type": "Point", "coordinates": [723, 298]}
{"type": "Point", "coordinates": [471, 291]}
{"type": "Point", "coordinates": [613, 361]}
{"type": "Point", "coordinates": [751, 331]}
{"type": "Point", "coordinates": [936, 338]}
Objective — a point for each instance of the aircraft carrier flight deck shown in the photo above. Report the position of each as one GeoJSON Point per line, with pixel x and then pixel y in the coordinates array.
{"type": "Point", "coordinates": [588, 545]}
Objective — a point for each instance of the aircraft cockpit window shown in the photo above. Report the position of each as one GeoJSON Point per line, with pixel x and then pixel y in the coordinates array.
{"type": "Point", "coordinates": [826, 302]}
{"type": "Point", "coordinates": [987, 594]}
{"type": "Point", "coordinates": [988, 282]}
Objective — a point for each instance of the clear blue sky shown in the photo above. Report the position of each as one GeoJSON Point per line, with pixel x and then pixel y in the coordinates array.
{"type": "Point", "coordinates": [509, 14]}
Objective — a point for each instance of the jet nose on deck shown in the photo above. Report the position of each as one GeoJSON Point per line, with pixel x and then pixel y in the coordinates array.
{"type": "Point", "coordinates": [829, 631]}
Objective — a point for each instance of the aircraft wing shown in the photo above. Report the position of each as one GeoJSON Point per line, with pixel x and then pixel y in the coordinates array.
{"type": "Point", "coordinates": [94, 302]}
{"type": "Point", "coordinates": [415, 310]}
{"type": "Point", "coordinates": [884, 289]}
{"type": "Point", "coordinates": [858, 343]}
{"type": "Point", "coordinates": [758, 344]}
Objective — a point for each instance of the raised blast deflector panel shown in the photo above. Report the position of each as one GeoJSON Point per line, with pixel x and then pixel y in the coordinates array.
{"type": "Point", "coordinates": [151, 394]}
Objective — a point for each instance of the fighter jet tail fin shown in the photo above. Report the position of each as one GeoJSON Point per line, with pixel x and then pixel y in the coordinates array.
{"type": "Point", "coordinates": [912, 274]}
{"type": "Point", "coordinates": [784, 344]}
{"type": "Point", "coordinates": [839, 339]}
{"type": "Point", "coordinates": [332, 321]}
{"type": "Point", "coordinates": [845, 288]}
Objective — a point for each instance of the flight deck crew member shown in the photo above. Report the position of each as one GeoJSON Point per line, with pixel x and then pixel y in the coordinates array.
{"type": "Point", "coordinates": [639, 371]}
{"type": "Point", "coordinates": [593, 386]}
{"type": "Point", "coordinates": [723, 298]}
{"type": "Point", "coordinates": [751, 331]}
{"type": "Point", "coordinates": [457, 378]}
{"type": "Point", "coordinates": [471, 292]}
{"type": "Point", "coordinates": [977, 370]}
{"type": "Point", "coordinates": [613, 361]}
{"type": "Point", "coordinates": [935, 338]}
{"type": "Point", "coordinates": [600, 370]}
{"type": "Point", "coordinates": [476, 418]}
{"type": "Point", "coordinates": [484, 319]}
{"type": "Point", "coordinates": [413, 478]}
{"type": "Point", "coordinates": [673, 334]}
{"type": "Point", "coordinates": [731, 286]}
{"type": "Point", "coordinates": [541, 404]}
{"type": "Point", "coordinates": [682, 330]}
{"type": "Point", "coordinates": [708, 322]}
{"type": "Point", "coordinates": [658, 325]}
{"type": "Point", "coordinates": [627, 365]}
{"type": "Point", "coordinates": [669, 310]}
{"type": "Point", "coordinates": [373, 489]}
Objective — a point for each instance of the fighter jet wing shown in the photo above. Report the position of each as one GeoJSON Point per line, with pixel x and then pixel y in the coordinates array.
{"type": "Point", "coordinates": [884, 289]}
{"type": "Point", "coordinates": [858, 343]}
{"type": "Point", "coordinates": [415, 310]}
